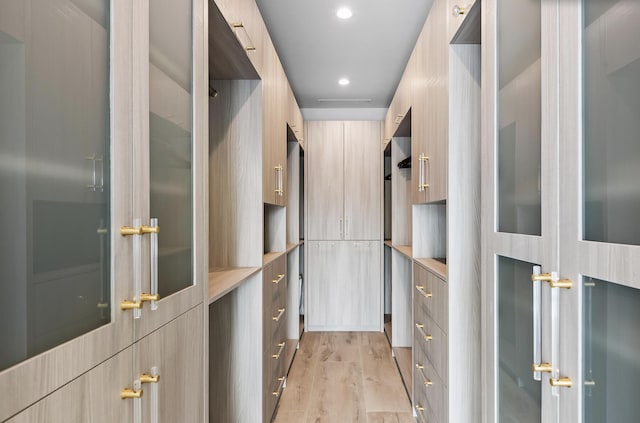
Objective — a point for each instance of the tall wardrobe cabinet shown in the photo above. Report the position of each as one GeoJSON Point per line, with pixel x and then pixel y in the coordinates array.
{"type": "Point", "coordinates": [103, 262]}
{"type": "Point", "coordinates": [344, 225]}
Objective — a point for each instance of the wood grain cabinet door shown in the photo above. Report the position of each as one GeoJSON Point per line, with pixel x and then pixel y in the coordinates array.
{"type": "Point", "coordinates": [362, 182]}
{"type": "Point", "coordinates": [325, 180]}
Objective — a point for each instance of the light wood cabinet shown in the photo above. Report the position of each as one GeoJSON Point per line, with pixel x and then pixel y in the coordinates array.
{"type": "Point", "coordinates": [430, 117]}
{"type": "Point", "coordinates": [325, 181]}
{"type": "Point", "coordinates": [362, 186]}
{"type": "Point", "coordinates": [344, 286]}
{"type": "Point", "coordinates": [344, 188]}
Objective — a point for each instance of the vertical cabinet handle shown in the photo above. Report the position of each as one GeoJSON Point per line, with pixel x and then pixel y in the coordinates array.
{"type": "Point", "coordinates": [422, 174]}
{"type": "Point", "coordinates": [154, 260]}
{"type": "Point", "coordinates": [152, 379]}
{"type": "Point", "coordinates": [134, 394]}
{"type": "Point", "coordinates": [279, 189]}
{"type": "Point", "coordinates": [248, 44]}
{"type": "Point", "coordinates": [555, 283]}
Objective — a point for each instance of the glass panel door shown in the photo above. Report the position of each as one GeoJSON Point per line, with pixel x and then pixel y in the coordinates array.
{"type": "Point", "coordinates": [520, 398]}
{"type": "Point", "coordinates": [519, 116]}
{"type": "Point", "coordinates": [65, 190]}
{"type": "Point", "coordinates": [170, 141]}
{"type": "Point", "coordinates": [55, 184]}
{"type": "Point", "coordinates": [611, 351]}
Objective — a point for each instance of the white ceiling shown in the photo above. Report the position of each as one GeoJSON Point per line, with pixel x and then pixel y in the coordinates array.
{"type": "Point", "coordinates": [317, 48]}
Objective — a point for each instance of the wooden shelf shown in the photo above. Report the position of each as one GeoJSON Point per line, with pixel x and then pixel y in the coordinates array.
{"type": "Point", "coordinates": [223, 281]}
{"type": "Point", "coordinates": [388, 243]}
{"type": "Point", "coordinates": [269, 257]}
{"type": "Point", "coordinates": [405, 250]}
{"type": "Point", "coordinates": [291, 247]}
{"type": "Point", "coordinates": [434, 266]}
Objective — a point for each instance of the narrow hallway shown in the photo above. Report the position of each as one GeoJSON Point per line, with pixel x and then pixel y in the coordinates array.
{"type": "Point", "coordinates": [344, 377]}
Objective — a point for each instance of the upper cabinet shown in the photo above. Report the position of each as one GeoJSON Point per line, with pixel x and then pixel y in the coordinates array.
{"type": "Point", "coordinates": [343, 192]}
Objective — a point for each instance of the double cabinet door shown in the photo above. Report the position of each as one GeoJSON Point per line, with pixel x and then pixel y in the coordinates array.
{"type": "Point", "coordinates": [343, 187]}
{"type": "Point", "coordinates": [560, 288]}
{"type": "Point", "coordinates": [92, 149]}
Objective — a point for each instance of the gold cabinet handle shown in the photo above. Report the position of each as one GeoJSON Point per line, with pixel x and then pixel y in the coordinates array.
{"type": "Point", "coordinates": [421, 290]}
{"type": "Point", "coordinates": [542, 367]}
{"type": "Point", "coordinates": [130, 305]}
{"type": "Point", "coordinates": [140, 230]}
{"type": "Point", "coordinates": [427, 381]}
{"type": "Point", "coordinates": [249, 45]}
{"type": "Point", "coordinates": [420, 328]}
{"type": "Point", "coordinates": [146, 378]}
{"type": "Point", "coordinates": [278, 279]}
{"type": "Point", "coordinates": [458, 10]}
{"type": "Point", "coordinates": [280, 313]}
{"type": "Point", "coordinates": [149, 297]}
{"type": "Point", "coordinates": [563, 382]}
{"type": "Point", "coordinates": [547, 277]}
{"type": "Point", "coordinates": [128, 230]}
{"type": "Point", "coordinates": [419, 407]}
{"type": "Point", "coordinates": [277, 393]}
{"type": "Point", "coordinates": [130, 393]}
{"type": "Point", "coordinates": [277, 355]}
{"type": "Point", "coordinates": [150, 229]}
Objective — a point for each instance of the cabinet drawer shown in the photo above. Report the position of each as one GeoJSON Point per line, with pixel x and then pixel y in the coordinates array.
{"type": "Point", "coordinates": [274, 280]}
{"type": "Point", "coordinates": [274, 316]}
{"type": "Point", "coordinates": [431, 293]}
{"type": "Point", "coordinates": [430, 387]}
{"type": "Point", "coordinates": [273, 386]}
{"type": "Point", "coordinates": [433, 343]}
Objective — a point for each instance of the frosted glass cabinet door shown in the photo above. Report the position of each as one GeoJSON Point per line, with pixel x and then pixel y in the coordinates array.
{"type": "Point", "coordinates": [519, 116]}
{"type": "Point", "coordinates": [519, 395]}
{"type": "Point", "coordinates": [611, 95]}
{"type": "Point", "coordinates": [60, 144]}
{"type": "Point", "coordinates": [170, 140]}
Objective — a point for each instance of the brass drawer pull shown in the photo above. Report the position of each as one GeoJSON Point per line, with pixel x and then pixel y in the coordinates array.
{"type": "Point", "coordinates": [425, 294]}
{"type": "Point", "coordinates": [280, 386]}
{"type": "Point", "coordinates": [277, 355]}
{"type": "Point", "coordinates": [278, 279]}
{"type": "Point", "coordinates": [420, 328]}
{"type": "Point", "coordinates": [280, 313]}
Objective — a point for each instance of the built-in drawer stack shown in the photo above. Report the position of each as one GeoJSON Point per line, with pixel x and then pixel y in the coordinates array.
{"type": "Point", "coordinates": [430, 346]}
{"type": "Point", "coordinates": [274, 333]}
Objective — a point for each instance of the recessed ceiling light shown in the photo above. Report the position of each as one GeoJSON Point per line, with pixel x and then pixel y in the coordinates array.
{"type": "Point", "coordinates": [344, 13]}
{"type": "Point", "coordinates": [343, 81]}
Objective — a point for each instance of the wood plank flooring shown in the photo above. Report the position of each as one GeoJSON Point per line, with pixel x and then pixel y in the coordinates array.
{"type": "Point", "coordinates": [344, 377]}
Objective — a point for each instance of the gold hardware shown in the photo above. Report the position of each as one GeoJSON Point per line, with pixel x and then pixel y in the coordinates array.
{"type": "Point", "coordinates": [278, 279]}
{"type": "Point", "coordinates": [236, 25]}
{"type": "Point", "coordinates": [563, 382]}
{"type": "Point", "coordinates": [130, 393]}
{"type": "Point", "coordinates": [562, 283]}
{"type": "Point", "coordinates": [149, 297]}
{"type": "Point", "coordinates": [130, 305]}
{"type": "Point", "coordinates": [546, 277]}
{"type": "Point", "coordinates": [543, 277]}
{"type": "Point", "coordinates": [428, 382]}
{"type": "Point", "coordinates": [128, 230]}
{"type": "Point", "coordinates": [458, 10]}
{"type": "Point", "coordinates": [277, 393]}
{"type": "Point", "coordinates": [280, 313]}
{"type": "Point", "coordinates": [420, 289]}
{"type": "Point", "coordinates": [150, 229]}
{"type": "Point", "coordinates": [277, 356]}
{"type": "Point", "coordinates": [419, 407]}
{"type": "Point", "coordinates": [103, 305]}
{"type": "Point", "coordinates": [419, 366]}
{"type": "Point", "coordinates": [420, 328]}
{"type": "Point", "coordinates": [145, 378]}
{"type": "Point", "coordinates": [423, 158]}
{"type": "Point", "coordinates": [542, 367]}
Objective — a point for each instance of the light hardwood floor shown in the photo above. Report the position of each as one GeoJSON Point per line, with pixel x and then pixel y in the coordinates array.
{"type": "Point", "coordinates": [344, 377]}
